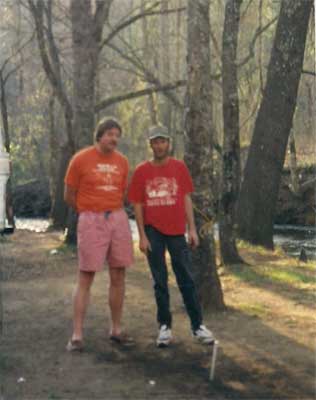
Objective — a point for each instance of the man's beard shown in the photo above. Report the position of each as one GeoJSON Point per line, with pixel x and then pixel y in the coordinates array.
{"type": "Point", "coordinates": [161, 156]}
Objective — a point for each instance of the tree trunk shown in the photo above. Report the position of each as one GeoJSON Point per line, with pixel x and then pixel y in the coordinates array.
{"type": "Point", "coordinates": [198, 152]}
{"type": "Point", "coordinates": [59, 210]}
{"type": "Point", "coordinates": [5, 123]}
{"type": "Point", "coordinates": [147, 56]}
{"type": "Point", "coordinates": [85, 54]}
{"type": "Point", "coordinates": [59, 158]}
{"type": "Point", "coordinates": [259, 191]}
{"type": "Point", "coordinates": [87, 30]}
{"type": "Point", "coordinates": [293, 165]}
{"type": "Point", "coordinates": [177, 120]}
{"type": "Point", "coordinates": [165, 63]}
{"type": "Point", "coordinates": [231, 145]}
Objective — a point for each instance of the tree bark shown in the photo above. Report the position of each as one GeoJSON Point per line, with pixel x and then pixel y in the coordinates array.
{"type": "Point", "coordinates": [293, 165]}
{"type": "Point", "coordinates": [85, 56]}
{"type": "Point", "coordinates": [151, 103]}
{"type": "Point", "coordinates": [259, 191]}
{"type": "Point", "coordinates": [5, 123]}
{"type": "Point", "coordinates": [165, 63]}
{"type": "Point", "coordinates": [59, 158]}
{"type": "Point", "coordinates": [231, 145]}
{"type": "Point", "coordinates": [198, 151]}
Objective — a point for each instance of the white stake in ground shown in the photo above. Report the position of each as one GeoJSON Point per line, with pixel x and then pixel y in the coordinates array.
{"type": "Point", "coordinates": [213, 359]}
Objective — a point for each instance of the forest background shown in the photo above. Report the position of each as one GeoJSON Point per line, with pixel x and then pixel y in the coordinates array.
{"type": "Point", "coordinates": [234, 82]}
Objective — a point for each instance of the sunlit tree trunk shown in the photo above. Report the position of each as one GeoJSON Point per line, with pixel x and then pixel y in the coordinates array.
{"type": "Point", "coordinates": [59, 158]}
{"type": "Point", "coordinates": [198, 151]}
{"type": "Point", "coordinates": [165, 63]}
{"type": "Point", "coordinates": [5, 123]}
{"type": "Point", "coordinates": [177, 121]}
{"type": "Point", "coordinates": [85, 55]}
{"type": "Point", "coordinates": [147, 56]}
{"type": "Point", "coordinates": [262, 175]}
{"type": "Point", "coordinates": [293, 164]}
{"type": "Point", "coordinates": [87, 27]}
{"type": "Point", "coordinates": [231, 145]}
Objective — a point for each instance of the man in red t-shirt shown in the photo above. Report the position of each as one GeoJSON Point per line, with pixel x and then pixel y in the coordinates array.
{"type": "Point", "coordinates": [160, 192]}
{"type": "Point", "coordinates": [95, 185]}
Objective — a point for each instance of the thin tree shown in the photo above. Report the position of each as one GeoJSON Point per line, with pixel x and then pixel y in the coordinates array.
{"type": "Point", "coordinates": [262, 175]}
{"type": "Point", "coordinates": [231, 144]}
{"type": "Point", "coordinates": [198, 151]}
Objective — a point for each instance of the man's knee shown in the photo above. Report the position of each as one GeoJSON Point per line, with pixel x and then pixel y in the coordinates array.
{"type": "Point", "coordinates": [117, 277]}
{"type": "Point", "coordinates": [85, 279]}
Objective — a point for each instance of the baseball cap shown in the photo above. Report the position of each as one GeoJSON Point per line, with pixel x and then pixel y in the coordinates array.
{"type": "Point", "coordinates": [158, 131]}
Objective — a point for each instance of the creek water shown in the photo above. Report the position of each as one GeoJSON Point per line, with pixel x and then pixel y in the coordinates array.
{"type": "Point", "coordinates": [291, 238]}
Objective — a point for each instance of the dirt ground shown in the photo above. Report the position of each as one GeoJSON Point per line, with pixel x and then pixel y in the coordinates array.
{"type": "Point", "coordinates": [267, 334]}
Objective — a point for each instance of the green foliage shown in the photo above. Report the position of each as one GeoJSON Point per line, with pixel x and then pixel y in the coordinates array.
{"type": "Point", "coordinates": [274, 274]}
{"type": "Point", "coordinates": [254, 309]}
{"type": "Point", "coordinates": [29, 142]}
{"type": "Point", "coordinates": [139, 59]}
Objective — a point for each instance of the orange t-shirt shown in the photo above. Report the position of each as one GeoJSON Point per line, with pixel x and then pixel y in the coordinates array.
{"type": "Point", "coordinates": [100, 180]}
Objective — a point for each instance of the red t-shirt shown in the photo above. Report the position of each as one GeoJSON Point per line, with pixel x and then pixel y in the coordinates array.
{"type": "Point", "coordinates": [161, 190]}
{"type": "Point", "coordinates": [100, 179]}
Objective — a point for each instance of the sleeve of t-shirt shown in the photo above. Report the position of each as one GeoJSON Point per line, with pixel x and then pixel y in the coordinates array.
{"type": "Point", "coordinates": [72, 174]}
{"type": "Point", "coordinates": [187, 182]}
{"type": "Point", "coordinates": [136, 188]}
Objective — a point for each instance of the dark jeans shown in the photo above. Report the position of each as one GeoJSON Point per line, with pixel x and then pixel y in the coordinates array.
{"type": "Point", "coordinates": [181, 265]}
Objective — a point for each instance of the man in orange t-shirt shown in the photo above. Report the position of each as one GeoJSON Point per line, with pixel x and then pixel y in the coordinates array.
{"type": "Point", "coordinates": [95, 186]}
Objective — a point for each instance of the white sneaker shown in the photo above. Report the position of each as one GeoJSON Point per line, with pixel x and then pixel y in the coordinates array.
{"type": "Point", "coordinates": [204, 335]}
{"type": "Point", "coordinates": [164, 336]}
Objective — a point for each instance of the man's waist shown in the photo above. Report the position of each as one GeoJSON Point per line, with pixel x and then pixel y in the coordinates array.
{"type": "Point", "coordinates": [104, 211]}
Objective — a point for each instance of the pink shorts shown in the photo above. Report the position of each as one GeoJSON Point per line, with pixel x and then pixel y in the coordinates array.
{"type": "Point", "coordinates": [104, 236]}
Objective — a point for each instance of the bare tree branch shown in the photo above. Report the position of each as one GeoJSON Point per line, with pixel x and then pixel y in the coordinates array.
{"type": "Point", "coordinates": [132, 95]}
{"type": "Point", "coordinates": [100, 16]}
{"type": "Point", "coordinates": [148, 75]}
{"type": "Point", "coordinates": [37, 12]}
{"type": "Point", "coordinates": [252, 44]}
{"type": "Point", "coordinates": [133, 19]}
{"type": "Point", "coordinates": [304, 71]}
{"type": "Point", "coordinates": [7, 60]}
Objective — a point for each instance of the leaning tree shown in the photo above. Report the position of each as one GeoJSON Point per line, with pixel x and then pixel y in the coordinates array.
{"type": "Point", "coordinates": [262, 175]}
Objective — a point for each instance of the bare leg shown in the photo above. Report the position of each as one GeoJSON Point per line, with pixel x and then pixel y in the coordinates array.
{"type": "Point", "coordinates": [116, 298]}
{"type": "Point", "coordinates": [81, 301]}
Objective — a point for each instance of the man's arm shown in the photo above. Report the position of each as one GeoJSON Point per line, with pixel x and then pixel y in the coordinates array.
{"type": "Point", "coordinates": [144, 244]}
{"type": "Point", "coordinates": [193, 238]}
{"type": "Point", "coordinates": [70, 195]}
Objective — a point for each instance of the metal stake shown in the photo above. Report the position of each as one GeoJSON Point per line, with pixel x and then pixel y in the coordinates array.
{"type": "Point", "coordinates": [213, 359]}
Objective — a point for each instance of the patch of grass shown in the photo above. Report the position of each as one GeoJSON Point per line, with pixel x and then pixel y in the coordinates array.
{"type": "Point", "coordinates": [278, 251]}
{"type": "Point", "coordinates": [290, 277]}
{"type": "Point", "coordinates": [273, 274]}
{"type": "Point", "coordinates": [257, 310]}
{"type": "Point", "coordinates": [66, 248]}
{"type": "Point", "coordinates": [246, 274]}
{"type": "Point", "coordinates": [248, 246]}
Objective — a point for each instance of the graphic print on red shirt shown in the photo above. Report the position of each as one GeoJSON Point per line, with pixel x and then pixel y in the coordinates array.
{"type": "Point", "coordinates": [161, 190]}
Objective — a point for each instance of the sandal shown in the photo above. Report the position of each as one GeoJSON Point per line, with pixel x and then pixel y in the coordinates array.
{"type": "Point", "coordinates": [122, 339]}
{"type": "Point", "coordinates": [74, 345]}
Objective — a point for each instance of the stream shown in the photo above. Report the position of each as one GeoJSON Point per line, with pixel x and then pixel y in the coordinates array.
{"type": "Point", "coordinates": [291, 238]}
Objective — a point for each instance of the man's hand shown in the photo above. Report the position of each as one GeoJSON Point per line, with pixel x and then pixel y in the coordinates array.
{"type": "Point", "coordinates": [144, 245]}
{"type": "Point", "coordinates": [193, 239]}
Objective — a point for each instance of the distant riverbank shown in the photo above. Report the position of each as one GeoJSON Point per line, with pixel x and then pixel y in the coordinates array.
{"type": "Point", "coordinates": [291, 238]}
